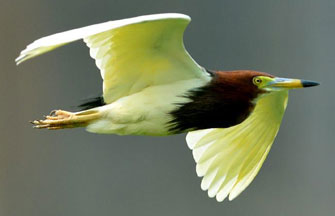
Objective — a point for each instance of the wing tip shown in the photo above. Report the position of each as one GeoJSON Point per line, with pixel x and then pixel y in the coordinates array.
{"type": "Point", "coordinates": [39, 46]}
{"type": "Point", "coordinates": [233, 195]}
{"type": "Point", "coordinates": [25, 55]}
{"type": "Point", "coordinates": [21, 58]}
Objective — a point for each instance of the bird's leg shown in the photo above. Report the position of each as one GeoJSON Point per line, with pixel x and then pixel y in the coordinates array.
{"type": "Point", "coordinates": [60, 119]}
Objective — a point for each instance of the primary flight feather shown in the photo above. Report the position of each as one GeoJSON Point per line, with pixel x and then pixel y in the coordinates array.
{"type": "Point", "coordinates": [152, 86]}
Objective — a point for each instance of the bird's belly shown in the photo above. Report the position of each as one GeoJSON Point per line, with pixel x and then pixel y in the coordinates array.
{"type": "Point", "coordinates": [146, 112]}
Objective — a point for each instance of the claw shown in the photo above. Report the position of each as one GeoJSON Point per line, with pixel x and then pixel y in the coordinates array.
{"type": "Point", "coordinates": [36, 122]}
{"type": "Point", "coordinates": [54, 128]}
{"type": "Point", "coordinates": [53, 113]}
{"type": "Point", "coordinates": [41, 126]}
{"type": "Point", "coordinates": [60, 119]}
{"type": "Point", "coordinates": [51, 117]}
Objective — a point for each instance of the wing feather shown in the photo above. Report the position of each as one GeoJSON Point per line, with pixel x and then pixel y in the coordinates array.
{"type": "Point", "coordinates": [229, 159]}
{"type": "Point", "coordinates": [131, 54]}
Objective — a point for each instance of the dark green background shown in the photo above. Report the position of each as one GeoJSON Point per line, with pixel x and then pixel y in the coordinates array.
{"type": "Point", "coordinates": [75, 173]}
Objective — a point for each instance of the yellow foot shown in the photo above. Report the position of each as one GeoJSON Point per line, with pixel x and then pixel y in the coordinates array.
{"type": "Point", "coordinates": [60, 119]}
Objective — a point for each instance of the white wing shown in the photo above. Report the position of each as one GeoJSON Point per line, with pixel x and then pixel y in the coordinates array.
{"type": "Point", "coordinates": [229, 159]}
{"type": "Point", "coordinates": [131, 54]}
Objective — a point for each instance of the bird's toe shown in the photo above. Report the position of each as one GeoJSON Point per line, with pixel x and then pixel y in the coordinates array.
{"type": "Point", "coordinates": [59, 119]}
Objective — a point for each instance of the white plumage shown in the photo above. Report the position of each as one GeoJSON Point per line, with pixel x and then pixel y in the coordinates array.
{"type": "Point", "coordinates": [146, 71]}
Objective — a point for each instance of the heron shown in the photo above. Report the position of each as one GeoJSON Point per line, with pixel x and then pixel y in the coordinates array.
{"type": "Point", "coordinates": [152, 86]}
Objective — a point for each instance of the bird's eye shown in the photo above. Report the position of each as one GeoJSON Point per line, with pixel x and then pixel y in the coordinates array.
{"type": "Point", "coordinates": [257, 81]}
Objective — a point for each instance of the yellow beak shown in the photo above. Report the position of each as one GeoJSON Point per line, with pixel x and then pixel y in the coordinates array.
{"type": "Point", "coordinates": [286, 83]}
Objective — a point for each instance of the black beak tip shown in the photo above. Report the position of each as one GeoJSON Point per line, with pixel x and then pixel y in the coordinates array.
{"type": "Point", "coordinates": [308, 83]}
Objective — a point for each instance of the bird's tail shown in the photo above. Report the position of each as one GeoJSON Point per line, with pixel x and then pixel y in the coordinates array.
{"type": "Point", "coordinates": [92, 103]}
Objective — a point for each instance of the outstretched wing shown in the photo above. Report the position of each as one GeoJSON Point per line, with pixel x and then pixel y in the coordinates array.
{"type": "Point", "coordinates": [131, 54]}
{"type": "Point", "coordinates": [229, 159]}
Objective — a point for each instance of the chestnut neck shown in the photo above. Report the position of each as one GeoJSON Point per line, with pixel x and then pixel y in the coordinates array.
{"type": "Point", "coordinates": [227, 100]}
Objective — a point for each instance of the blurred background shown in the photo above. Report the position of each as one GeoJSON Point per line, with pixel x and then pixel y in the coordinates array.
{"type": "Point", "coordinates": [72, 172]}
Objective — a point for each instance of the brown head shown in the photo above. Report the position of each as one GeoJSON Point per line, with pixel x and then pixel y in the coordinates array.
{"type": "Point", "coordinates": [239, 84]}
{"type": "Point", "coordinates": [228, 99]}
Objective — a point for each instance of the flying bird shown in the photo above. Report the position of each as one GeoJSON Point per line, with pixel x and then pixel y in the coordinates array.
{"type": "Point", "coordinates": [152, 86]}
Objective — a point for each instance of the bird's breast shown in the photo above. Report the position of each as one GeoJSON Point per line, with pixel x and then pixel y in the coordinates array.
{"type": "Point", "coordinates": [209, 108]}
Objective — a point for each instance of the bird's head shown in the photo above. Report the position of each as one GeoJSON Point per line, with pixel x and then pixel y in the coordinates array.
{"type": "Point", "coordinates": [253, 83]}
